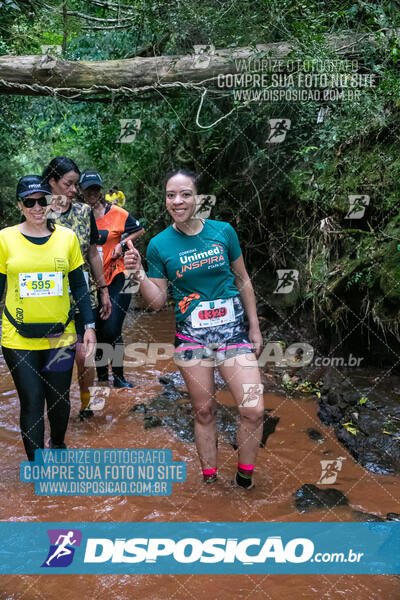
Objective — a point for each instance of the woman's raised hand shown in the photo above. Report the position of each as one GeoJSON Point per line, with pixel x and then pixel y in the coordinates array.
{"type": "Point", "coordinates": [132, 258]}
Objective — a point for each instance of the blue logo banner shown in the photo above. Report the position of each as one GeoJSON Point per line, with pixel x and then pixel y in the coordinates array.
{"type": "Point", "coordinates": [208, 548]}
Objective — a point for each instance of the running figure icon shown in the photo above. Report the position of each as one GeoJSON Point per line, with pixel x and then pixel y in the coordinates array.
{"type": "Point", "coordinates": [62, 549]}
{"type": "Point", "coordinates": [63, 544]}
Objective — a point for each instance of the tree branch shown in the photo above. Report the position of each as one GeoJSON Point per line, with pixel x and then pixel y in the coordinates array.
{"type": "Point", "coordinates": [20, 74]}
{"type": "Point", "coordinates": [129, 23]}
{"type": "Point", "coordinates": [110, 5]}
{"type": "Point", "coordinates": [65, 33]}
{"type": "Point", "coordinates": [74, 13]}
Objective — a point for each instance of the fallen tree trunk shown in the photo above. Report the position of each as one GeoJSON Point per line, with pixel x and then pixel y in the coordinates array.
{"type": "Point", "coordinates": [46, 75]}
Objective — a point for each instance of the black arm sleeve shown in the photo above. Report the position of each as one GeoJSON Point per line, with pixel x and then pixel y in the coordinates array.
{"type": "Point", "coordinates": [3, 278]}
{"type": "Point", "coordinates": [94, 232]}
{"type": "Point", "coordinates": [132, 225]}
{"type": "Point", "coordinates": [80, 293]}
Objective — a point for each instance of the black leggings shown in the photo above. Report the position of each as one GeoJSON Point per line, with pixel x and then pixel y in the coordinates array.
{"type": "Point", "coordinates": [41, 375]}
{"type": "Point", "coordinates": [110, 330]}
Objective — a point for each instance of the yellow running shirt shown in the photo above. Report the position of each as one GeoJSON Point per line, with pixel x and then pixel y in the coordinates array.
{"type": "Point", "coordinates": [37, 284]}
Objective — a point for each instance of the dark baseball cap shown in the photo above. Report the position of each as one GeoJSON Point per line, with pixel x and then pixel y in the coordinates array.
{"type": "Point", "coordinates": [31, 184]}
{"type": "Point", "coordinates": [90, 177]}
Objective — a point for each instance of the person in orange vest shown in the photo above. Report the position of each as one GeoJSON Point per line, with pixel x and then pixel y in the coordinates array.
{"type": "Point", "coordinates": [113, 222]}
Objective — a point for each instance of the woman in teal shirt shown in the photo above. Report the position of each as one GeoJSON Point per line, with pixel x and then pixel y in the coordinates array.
{"type": "Point", "coordinates": [203, 263]}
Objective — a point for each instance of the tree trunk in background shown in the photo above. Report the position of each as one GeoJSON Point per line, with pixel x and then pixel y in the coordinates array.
{"type": "Point", "coordinates": [45, 75]}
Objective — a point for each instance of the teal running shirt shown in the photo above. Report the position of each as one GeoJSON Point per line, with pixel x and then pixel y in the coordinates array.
{"type": "Point", "coordinates": [197, 266]}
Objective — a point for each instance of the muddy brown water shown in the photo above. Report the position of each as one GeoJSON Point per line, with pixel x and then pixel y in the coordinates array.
{"type": "Point", "coordinates": [289, 460]}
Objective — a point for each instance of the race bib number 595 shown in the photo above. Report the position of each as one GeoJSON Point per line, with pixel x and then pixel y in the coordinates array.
{"type": "Point", "coordinates": [39, 285]}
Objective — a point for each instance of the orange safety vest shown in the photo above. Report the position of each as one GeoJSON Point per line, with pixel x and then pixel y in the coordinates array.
{"type": "Point", "coordinates": [111, 227]}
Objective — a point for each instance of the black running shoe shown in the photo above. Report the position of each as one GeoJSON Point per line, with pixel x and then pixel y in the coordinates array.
{"type": "Point", "coordinates": [55, 446]}
{"type": "Point", "coordinates": [121, 382]}
{"type": "Point", "coordinates": [86, 413]}
{"type": "Point", "coordinates": [237, 482]}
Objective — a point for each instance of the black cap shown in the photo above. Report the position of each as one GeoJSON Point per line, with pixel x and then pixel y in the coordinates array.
{"type": "Point", "coordinates": [31, 184]}
{"type": "Point", "coordinates": [90, 177]}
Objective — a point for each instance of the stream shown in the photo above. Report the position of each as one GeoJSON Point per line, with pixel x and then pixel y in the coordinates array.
{"type": "Point", "coordinates": [290, 459]}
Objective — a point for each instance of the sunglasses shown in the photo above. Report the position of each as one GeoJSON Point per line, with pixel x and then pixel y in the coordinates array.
{"type": "Point", "coordinates": [30, 202]}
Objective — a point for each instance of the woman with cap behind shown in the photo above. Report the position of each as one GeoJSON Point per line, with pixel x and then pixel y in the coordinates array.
{"type": "Point", "coordinates": [38, 259]}
{"type": "Point", "coordinates": [62, 174]}
{"type": "Point", "coordinates": [112, 222]}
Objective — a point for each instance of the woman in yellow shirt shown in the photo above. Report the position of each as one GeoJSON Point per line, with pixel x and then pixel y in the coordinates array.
{"type": "Point", "coordinates": [38, 259]}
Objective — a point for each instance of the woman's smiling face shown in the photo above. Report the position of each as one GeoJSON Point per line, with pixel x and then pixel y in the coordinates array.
{"type": "Point", "coordinates": [37, 214]}
{"type": "Point", "coordinates": [181, 197]}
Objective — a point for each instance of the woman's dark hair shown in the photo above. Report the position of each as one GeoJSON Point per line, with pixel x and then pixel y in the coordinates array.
{"type": "Point", "coordinates": [58, 167]}
{"type": "Point", "coordinates": [193, 176]}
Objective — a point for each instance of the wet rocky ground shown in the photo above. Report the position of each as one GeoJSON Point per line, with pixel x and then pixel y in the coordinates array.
{"type": "Point", "coordinates": [364, 410]}
{"type": "Point", "coordinates": [339, 400]}
{"type": "Point", "coordinates": [310, 497]}
{"type": "Point", "coordinates": [362, 406]}
{"type": "Point", "coordinates": [362, 403]}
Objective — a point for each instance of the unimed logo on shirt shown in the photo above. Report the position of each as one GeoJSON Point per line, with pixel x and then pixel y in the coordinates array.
{"type": "Point", "coordinates": [196, 260]}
